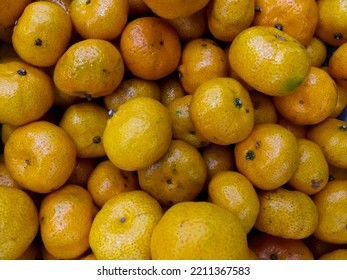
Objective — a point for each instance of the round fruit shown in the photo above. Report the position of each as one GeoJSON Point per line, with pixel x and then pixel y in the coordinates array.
{"type": "Point", "coordinates": [199, 231]}
{"type": "Point", "coordinates": [122, 228]}
{"type": "Point", "coordinates": [19, 222]}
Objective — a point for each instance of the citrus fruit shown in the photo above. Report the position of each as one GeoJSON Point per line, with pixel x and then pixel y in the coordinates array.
{"type": "Point", "coordinates": [65, 219]}
{"type": "Point", "coordinates": [89, 68]}
{"type": "Point", "coordinates": [312, 173]}
{"type": "Point", "coordinates": [131, 88]}
{"type": "Point", "coordinates": [298, 18]}
{"type": "Point", "coordinates": [138, 133]}
{"type": "Point", "coordinates": [40, 156]}
{"type": "Point", "coordinates": [202, 59]}
{"type": "Point", "coordinates": [42, 33]}
{"type": "Point", "coordinates": [156, 54]}
{"type": "Point", "coordinates": [19, 222]}
{"type": "Point", "coordinates": [182, 124]}
{"type": "Point", "coordinates": [123, 227]}
{"type": "Point", "coordinates": [269, 60]}
{"type": "Point", "coordinates": [337, 65]}
{"type": "Point", "coordinates": [268, 157]}
{"type": "Point", "coordinates": [286, 213]}
{"type": "Point", "coordinates": [190, 27]}
{"type": "Point", "coordinates": [331, 137]}
{"type": "Point", "coordinates": [226, 19]}
{"type": "Point", "coordinates": [264, 109]}
{"type": "Point", "coordinates": [331, 205]}
{"type": "Point", "coordinates": [332, 23]}
{"type": "Point", "coordinates": [107, 180]}
{"type": "Point", "coordinates": [199, 231]}
{"type": "Point", "coordinates": [11, 11]}
{"type": "Point", "coordinates": [233, 191]}
{"type": "Point", "coordinates": [85, 123]}
{"type": "Point", "coordinates": [317, 51]}
{"type": "Point", "coordinates": [222, 111]}
{"type": "Point", "coordinates": [338, 254]}
{"type": "Point", "coordinates": [26, 93]}
{"type": "Point", "coordinates": [312, 103]}
{"type": "Point", "coordinates": [179, 175]}
{"type": "Point", "coordinates": [175, 8]}
{"type": "Point", "coordinates": [269, 247]}
{"type": "Point", "coordinates": [99, 19]}
{"type": "Point", "coordinates": [170, 88]}
{"type": "Point", "coordinates": [83, 168]}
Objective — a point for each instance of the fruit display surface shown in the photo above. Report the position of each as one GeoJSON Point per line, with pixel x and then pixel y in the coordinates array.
{"type": "Point", "coordinates": [173, 130]}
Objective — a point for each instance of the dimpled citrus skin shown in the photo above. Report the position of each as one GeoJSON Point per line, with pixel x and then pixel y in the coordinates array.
{"type": "Point", "coordinates": [197, 231]}
{"type": "Point", "coordinates": [138, 133]}
{"type": "Point", "coordinates": [179, 175]}
{"type": "Point", "coordinates": [285, 213]}
{"type": "Point", "coordinates": [26, 93]}
{"type": "Point", "coordinates": [40, 156]}
{"type": "Point", "coordinates": [19, 222]}
{"type": "Point", "coordinates": [268, 157]}
{"type": "Point", "coordinates": [331, 136]}
{"type": "Point", "coordinates": [233, 191]}
{"type": "Point", "coordinates": [123, 227]}
{"type": "Point", "coordinates": [222, 111]}
{"type": "Point", "coordinates": [65, 219]}
{"type": "Point", "coordinates": [331, 204]}
{"type": "Point", "coordinates": [42, 33]}
{"type": "Point", "coordinates": [338, 254]}
{"type": "Point", "coordinates": [269, 60]}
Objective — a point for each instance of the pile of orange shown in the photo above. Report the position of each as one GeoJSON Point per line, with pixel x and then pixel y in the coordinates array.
{"type": "Point", "coordinates": [162, 129]}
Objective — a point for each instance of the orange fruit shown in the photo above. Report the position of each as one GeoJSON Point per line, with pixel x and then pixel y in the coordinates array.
{"type": "Point", "coordinates": [202, 59]}
{"type": "Point", "coordinates": [226, 19]}
{"type": "Point", "coordinates": [89, 68]}
{"type": "Point", "coordinates": [40, 156]}
{"type": "Point", "coordinates": [317, 51]}
{"type": "Point", "coordinates": [298, 130]}
{"type": "Point", "coordinates": [217, 158]}
{"type": "Point", "coordinates": [170, 88]}
{"type": "Point", "coordinates": [215, 117]}
{"type": "Point", "coordinates": [269, 247]}
{"type": "Point", "coordinates": [179, 175]}
{"type": "Point", "coordinates": [26, 93]}
{"type": "Point", "coordinates": [199, 231]}
{"type": "Point", "coordinates": [156, 54]}
{"type": "Point", "coordinates": [319, 247]}
{"type": "Point", "coordinates": [175, 9]}
{"type": "Point", "coordinates": [286, 213]}
{"type": "Point", "coordinates": [138, 8]}
{"type": "Point", "coordinates": [234, 192]}
{"type": "Point", "coordinates": [64, 4]}
{"type": "Point", "coordinates": [6, 178]}
{"type": "Point", "coordinates": [336, 173]}
{"type": "Point", "coordinates": [330, 203]}
{"type": "Point", "coordinates": [269, 60]}
{"type": "Point", "coordinates": [338, 254]}
{"type": "Point", "coordinates": [107, 180]}
{"type": "Point", "coordinates": [42, 33]}
{"type": "Point", "coordinates": [330, 135]}
{"type": "Point", "coordinates": [298, 18]}
{"type": "Point", "coordinates": [182, 124]}
{"type": "Point", "coordinates": [99, 19]}
{"type": "Point", "coordinates": [33, 252]}
{"type": "Point", "coordinates": [138, 133]}
{"type": "Point", "coordinates": [11, 11]}
{"type": "Point", "coordinates": [6, 131]}
{"type": "Point", "coordinates": [90, 256]}
{"type": "Point", "coordinates": [268, 157]}
{"type": "Point", "coordinates": [313, 172]}
{"type": "Point", "coordinates": [332, 22]}
{"type": "Point", "coordinates": [338, 64]}
{"type": "Point", "coordinates": [312, 103]}
{"type": "Point", "coordinates": [65, 219]}
{"type": "Point", "coordinates": [85, 123]}
{"type": "Point", "coordinates": [264, 109]}
{"type": "Point", "coordinates": [123, 227]}
{"type": "Point", "coordinates": [83, 168]}
{"type": "Point", "coordinates": [64, 100]}
{"type": "Point", "coordinates": [190, 27]}
{"type": "Point", "coordinates": [19, 222]}
{"type": "Point", "coordinates": [131, 88]}
{"type": "Point", "coordinates": [341, 102]}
